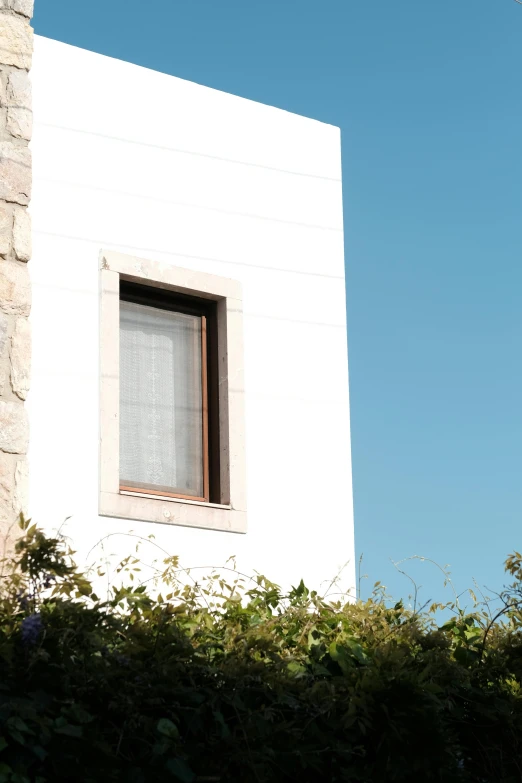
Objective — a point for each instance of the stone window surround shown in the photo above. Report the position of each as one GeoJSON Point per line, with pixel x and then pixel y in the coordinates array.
{"type": "Point", "coordinates": [230, 514]}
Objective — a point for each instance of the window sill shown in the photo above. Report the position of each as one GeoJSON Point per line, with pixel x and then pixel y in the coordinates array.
{"type": "Point", "coordinates": [202, 503]}
{"type": "Point", "coordinates": [172, 511]}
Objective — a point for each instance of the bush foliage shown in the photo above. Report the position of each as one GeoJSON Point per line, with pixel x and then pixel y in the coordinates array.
{"type": "Point", "coordinates": [234, 681]}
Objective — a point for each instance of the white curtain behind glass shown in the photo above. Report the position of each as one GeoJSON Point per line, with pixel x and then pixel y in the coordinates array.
{"type": "Point", "coordinates": [160, 400]}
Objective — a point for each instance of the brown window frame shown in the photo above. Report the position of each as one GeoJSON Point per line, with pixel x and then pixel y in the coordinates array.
{"type": "Point", "coordinates": [206, 309]}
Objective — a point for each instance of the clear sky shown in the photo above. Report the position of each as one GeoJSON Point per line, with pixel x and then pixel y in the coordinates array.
{"type": "Point", "coordinates": [428, 98]}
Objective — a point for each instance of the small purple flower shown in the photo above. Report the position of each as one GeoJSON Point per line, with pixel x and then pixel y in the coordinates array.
{"type": "Point", "coordinates": [32, 626]}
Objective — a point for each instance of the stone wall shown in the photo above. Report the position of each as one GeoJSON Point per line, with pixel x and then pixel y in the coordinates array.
{"type": "Point", "coordinates": [16, 47]}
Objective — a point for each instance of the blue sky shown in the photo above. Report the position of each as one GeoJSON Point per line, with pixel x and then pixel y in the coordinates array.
{"type": "Point", "coordinates": [427, 95]}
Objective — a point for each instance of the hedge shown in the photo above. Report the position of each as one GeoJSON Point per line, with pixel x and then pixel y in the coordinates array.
{"type": "Point", "coordinates": [235, 681]}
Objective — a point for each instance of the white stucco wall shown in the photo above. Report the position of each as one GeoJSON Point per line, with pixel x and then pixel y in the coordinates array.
{"type": "Point", "coordinates": [147, 164]}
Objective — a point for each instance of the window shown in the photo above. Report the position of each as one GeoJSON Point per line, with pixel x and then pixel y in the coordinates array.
{"type": "Point", "coordinates": [167, 369]}
{"type": "Point", "coordinates": [171, 435]}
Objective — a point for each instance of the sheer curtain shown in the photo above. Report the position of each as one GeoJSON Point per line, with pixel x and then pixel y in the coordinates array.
{"type": "Point", "coordinates": [161, 420]}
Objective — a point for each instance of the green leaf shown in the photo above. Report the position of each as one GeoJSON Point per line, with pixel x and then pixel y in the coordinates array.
{"type": "Point", "coordinates": [312, 640]}
{"type": "Point", "coordinates": [3, 744]}
{"type": "Point", "coordinates": [18, 724]}
{"type": "Point", "coordinates": [79, 715]}
{"type": "Point", "coordinates": [39, 752]}
{"type": "Point", "coordinates": [16, 778]}
{"type": "Point", "coordinates": [180, 770]}
{"type": "Point", "coordinates": [341, 656]}
{"type": "Point", "coordinates": [296, 668]}
{"type": "Point", "coordinates": [70, 731]}
{"type": "Point", "coordinates": [357, 651]}
{"type": "Point", "coordinates": [17, 736]}
{"type": "Point", "coordinates": [225, 731]}
{"type": "Point", "coordinates": [167, 728]}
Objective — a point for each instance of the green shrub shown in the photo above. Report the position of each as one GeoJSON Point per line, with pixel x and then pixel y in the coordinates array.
{"type": "Point", "coordinates": [237, 682]}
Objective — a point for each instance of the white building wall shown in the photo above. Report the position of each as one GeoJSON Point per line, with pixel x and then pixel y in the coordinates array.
{"type": "Point", "coordinates": [132, 160]}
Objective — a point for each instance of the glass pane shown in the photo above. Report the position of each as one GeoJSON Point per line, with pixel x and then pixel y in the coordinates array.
{"type": "Point", "coordinates": [161, 431]}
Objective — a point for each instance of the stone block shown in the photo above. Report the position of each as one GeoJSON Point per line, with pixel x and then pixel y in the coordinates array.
{"type": "Point", "coordinates": [22, 238]}
{"type": "Point", "coordinates": [15, 288]}
{"type": "Point", "coordinates": [16, 38]}
{"type": "Point", "coordinates": [18, 90]}
{"type": "Point", "coordinates": [21, 488]}
{"type": "Point", "coordinates": [24, 7]}
{"type": "Point", "coordinates": [19, 120]}
{"type": "Point", "coordinates": [19, 123]}
{"type": "Point", "coordinates": [4, 326]}
{"type": "Point", "coordinates": [3, 88]}
{"type": "Point", "coordinates": [6, 228]}
{"type": "Point", "coordinates": [15, 173]}
{"type": "Point", "coordinates": [5, 368]}
{"type": "Point", "coordinates": [21, 357]}
{"type": "Point", "coordinates": [7, 488]}
{"type": "Point", "coordinates": [14, 428]}
{"type": "Point", "coordinates": [4, 75]}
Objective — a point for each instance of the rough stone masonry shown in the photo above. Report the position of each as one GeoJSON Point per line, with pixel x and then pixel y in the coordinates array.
{"type": "Point", "coordinates": [16, 48]}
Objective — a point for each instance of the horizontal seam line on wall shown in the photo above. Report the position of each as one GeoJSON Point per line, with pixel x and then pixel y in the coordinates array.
{"type": "Point", "coordinates": [134, 248]}
{"type": "Point", "coordinates": [85, 377]}
{"type": "Point", "coordinates": [187, 152]}
{"type": "Point", "coordinates": [128, 194]}
{"type": "Point", "coordinates": [246, 315]}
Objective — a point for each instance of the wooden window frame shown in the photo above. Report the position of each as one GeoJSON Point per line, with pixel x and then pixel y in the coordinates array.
{"type": "Point", "coordinates": [206, 310]}
{"type": "Point", "coordinates": [226, 410]}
